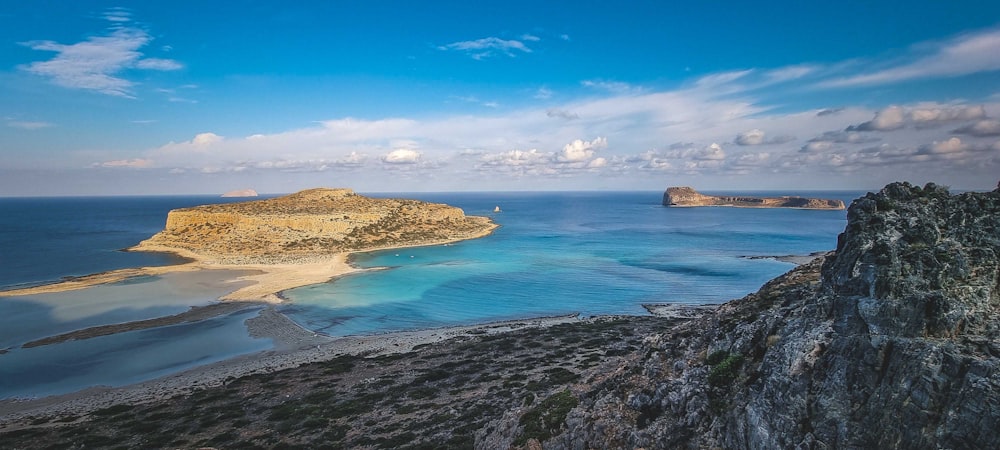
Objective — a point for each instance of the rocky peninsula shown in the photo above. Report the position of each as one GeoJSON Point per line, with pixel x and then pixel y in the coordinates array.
{"type": "Point", "coordinates": [686, 196]}
{"type": "Point", "coordinates": [290, 241]}
{"type": "Point", "coordinates": [890, 341]}
{"type": "Point", "coordinates": [309, 225]}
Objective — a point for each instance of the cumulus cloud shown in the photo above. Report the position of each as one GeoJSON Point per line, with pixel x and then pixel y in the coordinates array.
{"type": "Point", "coordinates": [402, 156]}
{"type": "Point", "coordinates": [580, 150]}
{"type": "Point", "coordinates": [891, 118]}
{"type": "Point", "coordinates": [757, 136]}
{"type": "Point", "coordinates": [750, 137]}
{"type": "Point", "coordinates": [205, 139]}
{"type": "Point", "coordinates": [516, 158]}
{"type": "Point", "coordinates": [988, 127]}
{"type": "Point", "coordinates": [99, 63]}
{"type": "Point", "coordinates": [487, 47]}
{"type": "Point", "coordinates": [895, 117]}
{"type": "Point", "coordinates": [934, 116]}
{"type": "Point", "coordinates": [952, 145]}
{"type": "Point", "coordinates": [962, 55]}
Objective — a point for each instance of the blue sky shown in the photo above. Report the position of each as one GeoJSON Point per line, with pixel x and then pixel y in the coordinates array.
{"type": "Point", "coordinates": [187, 97]}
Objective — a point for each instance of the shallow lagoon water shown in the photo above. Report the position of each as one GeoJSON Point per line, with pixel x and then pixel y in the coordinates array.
{"type": "Point", "coordinates": [125, 358]}
{"type": "Point", "coordinates": [561, 253]}
{"type": "Point", "coordinates": [121, 358]}
{"type": "Point", "coordinates": [556, 253]}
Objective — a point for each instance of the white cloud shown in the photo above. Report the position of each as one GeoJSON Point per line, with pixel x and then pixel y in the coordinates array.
{"type": "Point", "coordinates": [543, 93]}
{"type": "Point", "coordinates": [448, 152]}
{"type": "Point", "coordinates": [895, 117]}
{"type": "Point", "coordinates": [402, 156]}
{"type": "Point", "coordinates": [988, 127]}
{"type": "Point", "coordinates": [580, 150]}
{"type": "Point", "coordinates": [717, 79]}
{"type": "Point", "coordinates": [98, 63]}
{"type": "Point", "coordinates": [561, 114]}
{"type": "Point", "coordinates": [137, 163]}
{"type": "Point", "coordinates": [750, 137]}
{"type": "Point", "coordinates": [516, 158]}
{"type": "Point", "coordinates": [713, 152]}
{"type": "Point", "coordinates": [891, 118]}
{"type": "Point", "coordinates": [937, 115]}
{"type": "Point", "coordinates": [790, 72]}
{"type": "Point", "coordinates": [952, 145]}
{"type": "Point", "coordinates": [616, 87]}
{"type": "Point", "coordinates": [205, 139]}
{"type": "Point", "coordinates": [158, 64]}
{"type": "Point", "coordinates": [530, 37]}
{"type": "Point", "coordinates": [487, 47]}
{"type": "Point", "coordinates": [597, 163]}
{"type": "Point", "coordinates": [962, 55]}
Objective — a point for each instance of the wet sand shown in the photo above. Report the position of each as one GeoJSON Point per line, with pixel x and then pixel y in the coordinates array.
{"type": "Point", "coordinates": [265, 284]}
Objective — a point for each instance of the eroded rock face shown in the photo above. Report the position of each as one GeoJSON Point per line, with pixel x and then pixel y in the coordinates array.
{"type": "Point", "coordinates": [311, 223]}
{"type": "Point", "coordinates": [891, 342]}
{"type": "Point", "coordinates": [687, 196]}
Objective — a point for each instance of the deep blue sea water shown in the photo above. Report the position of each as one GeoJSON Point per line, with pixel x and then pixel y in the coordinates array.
{"type": "Point", "coordinates": [556, 253]}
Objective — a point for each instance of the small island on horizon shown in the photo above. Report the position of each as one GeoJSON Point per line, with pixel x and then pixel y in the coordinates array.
{"type": "Point", "coordinates": [685, 196]}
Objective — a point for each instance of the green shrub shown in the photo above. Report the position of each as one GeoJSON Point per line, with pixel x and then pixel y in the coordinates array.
{"type": "Point", "coordinates": [726, 371]}
{"type": "Point", "coordinates": [544, 420]}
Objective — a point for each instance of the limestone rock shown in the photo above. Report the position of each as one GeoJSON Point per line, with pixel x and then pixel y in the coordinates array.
{"type": "Point", "coordinates": [890, 342]}
{"type": "Point", "coordinates": [687, 196]}
{"type": "Point", "coordinates": [309, 224]}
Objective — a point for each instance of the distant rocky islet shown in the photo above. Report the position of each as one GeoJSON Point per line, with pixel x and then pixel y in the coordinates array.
{"type": "Point", "coordinates": [684, 196]}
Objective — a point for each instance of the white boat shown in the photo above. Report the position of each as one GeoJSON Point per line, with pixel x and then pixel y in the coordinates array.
{"type": "Point", "coordinates": [496, 210]}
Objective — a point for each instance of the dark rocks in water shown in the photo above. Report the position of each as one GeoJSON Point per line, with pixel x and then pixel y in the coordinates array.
{"type": "Point", "coordinates": [891, 342]}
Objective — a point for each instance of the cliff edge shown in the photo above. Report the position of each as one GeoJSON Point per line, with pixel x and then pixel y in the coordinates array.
{"type": "Point", "coordinates": [889, 342]}
{"type": "Point", "coordinates": [687, 196]}
{"type": "Point", "coordinates": [314, 223]}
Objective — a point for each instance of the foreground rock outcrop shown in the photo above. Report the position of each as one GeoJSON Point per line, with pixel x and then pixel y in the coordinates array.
{"type": "Point", "coordinates": [309, 224]}
{"type": "Point", "coordinates": [890, 342]}
{"type": "Point", "coordinates": [686, 196]}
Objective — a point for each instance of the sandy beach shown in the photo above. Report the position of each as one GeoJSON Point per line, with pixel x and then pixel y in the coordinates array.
{"type": "Point", "coordinates": [265, 285]}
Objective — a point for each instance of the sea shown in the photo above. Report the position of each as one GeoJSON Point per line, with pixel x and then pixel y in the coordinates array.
{"type": "Point", "coordinates": [555, 253]}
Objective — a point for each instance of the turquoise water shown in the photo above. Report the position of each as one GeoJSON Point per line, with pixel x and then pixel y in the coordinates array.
{"type": "Point", "coordinates": [555, 253]}
{"type": "Point", "coordinates": [559, 253]}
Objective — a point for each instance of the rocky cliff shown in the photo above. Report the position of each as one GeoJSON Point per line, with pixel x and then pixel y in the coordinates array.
{"type": "Point", "coordinates": [890, 342]}
{"type": "Point", "coordinates": [308, 224]}
{"type": "Point", "coordinates": [686, 196]}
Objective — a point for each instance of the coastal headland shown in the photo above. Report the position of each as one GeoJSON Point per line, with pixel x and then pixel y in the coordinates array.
{"type": "Point", "coordinates": [290, 241]}
{"type": "Point", "coordinates": [686, 197]}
